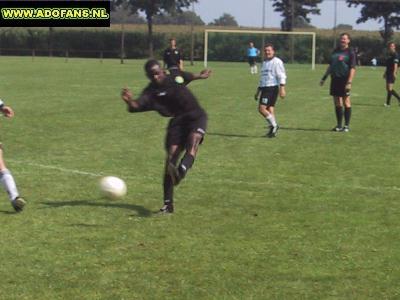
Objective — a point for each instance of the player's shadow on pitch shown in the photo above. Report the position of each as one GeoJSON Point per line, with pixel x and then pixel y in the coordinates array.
{"type": "Point", "coordinates": [304, 129]}
{"type": "Point", "coordinates": [9, 212]}
{"type": "Point", "coordinates": [366, 104]}
{"type": "Point", "coordinates": [235, 135]}
{"type": "Point", "coordinates": [141, 211]}
{"type": "Point", "coordinates": [263, 136]}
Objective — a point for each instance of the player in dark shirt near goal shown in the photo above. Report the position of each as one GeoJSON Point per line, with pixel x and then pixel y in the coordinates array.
{"type": "Point", "coordinates": [173, 59]}
{"type": "Point", "coordinates": [392, 63]}
{"type": "Point", "coordinates": [169, 96]}
{"type": "Point", "coordinates": [342, 68]}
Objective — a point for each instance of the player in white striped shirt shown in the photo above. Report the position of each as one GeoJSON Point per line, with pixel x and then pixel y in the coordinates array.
{"type": "Point", "coordinates": [272, 83]}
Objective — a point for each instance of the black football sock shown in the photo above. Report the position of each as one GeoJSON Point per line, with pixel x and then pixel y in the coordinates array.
{"type": "Point", "coordinates": [396, 95]}
{"type": "Point", "coordinates": [339, 115]}
{"type": "Point", "coordinates": [168, 190]}
{"type": "Point", "coordinates": [347, 115]}
{"type": "Point", "coordinates": [186, 163]}
{"type": "Point", "coordinates": [388, 97]}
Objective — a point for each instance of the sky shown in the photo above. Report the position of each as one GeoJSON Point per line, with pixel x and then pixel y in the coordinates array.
{"type": "Point", "coordinates": [249, 13]}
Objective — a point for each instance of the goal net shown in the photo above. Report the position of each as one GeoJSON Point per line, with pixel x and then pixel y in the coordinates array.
{"type": "Point", "coordinates": [231, 45]}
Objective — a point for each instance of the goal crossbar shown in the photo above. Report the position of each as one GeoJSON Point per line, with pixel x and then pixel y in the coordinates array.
{"type": "Point", "coordinates": [312, 34]}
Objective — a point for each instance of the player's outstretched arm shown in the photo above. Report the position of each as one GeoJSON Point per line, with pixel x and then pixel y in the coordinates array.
{"type": "Point", "coordinates": [350, 79]}
{"type": "Point", "coordinates": [140, 104]}
{"type": "Point", "coordinates": [204, 74]}
{"type": "Point", "coordinates": [257, 94]}
{"type": "Point", "coordinates": [282, 91]}
{"type": "Point", "coordinates": [127, 96]}
{"type": "Point", "coordinates": [6, 110]}
{"type": "Point", "coordinates": [327, 72]}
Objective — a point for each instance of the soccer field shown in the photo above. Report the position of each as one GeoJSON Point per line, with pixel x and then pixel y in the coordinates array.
{"type": "Point", "coordinates": [311, 214]}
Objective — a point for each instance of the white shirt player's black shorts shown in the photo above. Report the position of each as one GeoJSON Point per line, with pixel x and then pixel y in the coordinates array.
{"type": "Point", "coordinates": [269, 95]}
{"type": "Point", "coordinates": [181, 127]}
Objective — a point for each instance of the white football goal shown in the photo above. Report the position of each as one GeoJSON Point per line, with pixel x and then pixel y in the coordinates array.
{"type": "Point", "coordinates": [263, 33]}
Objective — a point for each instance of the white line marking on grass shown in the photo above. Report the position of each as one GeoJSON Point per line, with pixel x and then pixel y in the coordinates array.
{"type": "Point", "coordinates": [219, 181]}
{"type": "Point", "coordinates": [64, 170]}
{"type": "Point", "coordinates": [304, 185]}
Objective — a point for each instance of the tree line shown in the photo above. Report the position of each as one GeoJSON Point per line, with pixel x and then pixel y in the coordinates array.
{"type": "Point", "coordinates": [294, 13]}
{"type": "Point", "coordinates": [222, 47]}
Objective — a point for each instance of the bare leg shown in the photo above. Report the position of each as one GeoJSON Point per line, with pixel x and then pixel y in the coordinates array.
{"type": "Point", "coordinates": [9, 185]}
{"type": "Point", "coordinates": [173, 154]}
{"type": "Point", "coordinates": [268, 112]}
{"type": "Point", "coordinates": [192, 146]}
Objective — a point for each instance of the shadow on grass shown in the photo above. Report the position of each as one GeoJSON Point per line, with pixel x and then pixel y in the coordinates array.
{"type": "Point", "coordinates": [367, 104]}
{"type": "Point", "coordinates": [304, 129]}
{"type": "Point", "coordinates": [8, 212]}
{"type": "Point", "coordinates": [141, 211]}
{"type": "Point", "coordinates": [235, 135]}
{"type": "Point", "coordinates": [263, 136]}
{"type": "Point", "coordinates": [85, 225]}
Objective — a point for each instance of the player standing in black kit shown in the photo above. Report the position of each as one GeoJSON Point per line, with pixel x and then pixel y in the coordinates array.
{"type": "Point", "coordinates": [392, 62]}
{"type": "Point", "coordinates": [169, 96]}
{"type": "Point", "coordinates": [342, 70]}
{"type": "Point", "coordinates": [173, 59]}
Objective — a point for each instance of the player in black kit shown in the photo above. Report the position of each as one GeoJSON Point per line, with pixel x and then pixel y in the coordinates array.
{"type": "Point", "coordinates": [173, 59]}
{"type": "Point", "coordinates": [392, 62]}
{"type": "Point", "coordinates": [341, 70]}
{"type": "Point", "coordinates": [169, 96]}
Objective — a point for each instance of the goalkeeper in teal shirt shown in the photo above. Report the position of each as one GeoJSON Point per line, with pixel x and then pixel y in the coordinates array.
{"type": "Point", "coordinates": [252, 53]}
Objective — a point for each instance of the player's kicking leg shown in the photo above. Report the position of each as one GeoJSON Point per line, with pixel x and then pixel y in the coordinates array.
{"type": "Point", "coordinates": [193, 141]}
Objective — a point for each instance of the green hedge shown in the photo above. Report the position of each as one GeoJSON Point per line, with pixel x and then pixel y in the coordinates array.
{"type": "Point", "coordinates": [222, 47]}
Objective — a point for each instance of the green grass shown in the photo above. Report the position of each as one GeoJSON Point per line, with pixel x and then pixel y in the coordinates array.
{"type": "Point", "coordinates": [311, 214]}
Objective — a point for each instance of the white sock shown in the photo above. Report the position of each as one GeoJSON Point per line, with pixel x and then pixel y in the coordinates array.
{"type": "Point", "coordinates": [255, 70]}
{"type": "Point", "coordinates": [271, 120]}
{"type": "Point", "coordinates": [251, 70]}
{"type": "Point", "coordinates": [9, 184]}
{"type": "Point", "coordinates": [268, 119]}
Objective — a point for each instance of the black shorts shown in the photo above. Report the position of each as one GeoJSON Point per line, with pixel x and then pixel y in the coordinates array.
{"type": "Point", "coordinates": [179, 128]}
{"type": "Point", "coordinates": [338, 87]}
{"type": "Point", "coordinates": [252, 60]}
{"type": "Point", "coordinates": [174, 71]}
{"type": "Point", "coordinates": [390, 78]}
{"type": "Point", "coordinates": [269, 95]}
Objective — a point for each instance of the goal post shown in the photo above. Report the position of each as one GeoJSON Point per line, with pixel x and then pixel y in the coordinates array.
{"type": "Point", "coordinates": [264, 32]}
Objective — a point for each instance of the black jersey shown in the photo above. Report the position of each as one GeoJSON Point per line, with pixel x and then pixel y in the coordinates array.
{"type": "Point", "coordinates": [391, 60]}
{"type": "Point", "coordinates": [341, 62]}
{"type": "Point", "coordinates": [170, 99]}
{"type": "Point", "coordinates": [172, 57]}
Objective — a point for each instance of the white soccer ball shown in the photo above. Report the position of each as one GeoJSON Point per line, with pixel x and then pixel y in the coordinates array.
{"type": "Point", "coordinates": [112, 187]}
